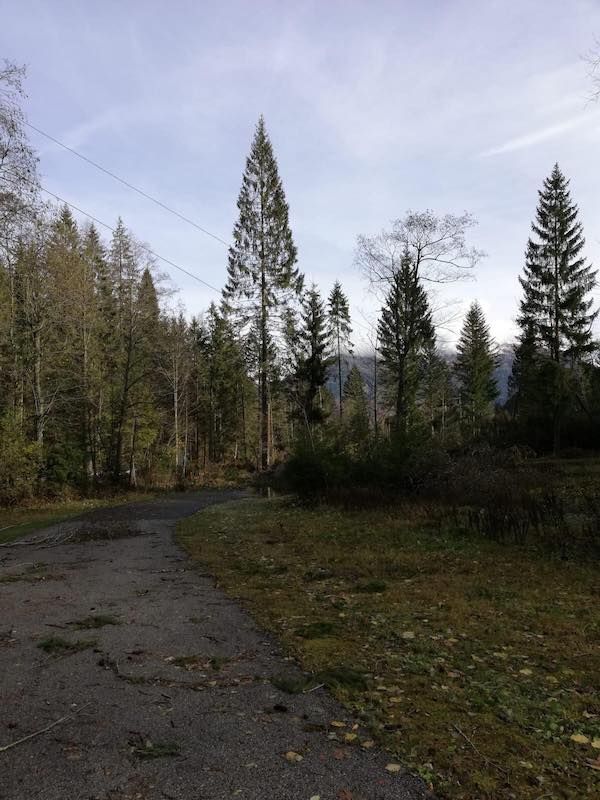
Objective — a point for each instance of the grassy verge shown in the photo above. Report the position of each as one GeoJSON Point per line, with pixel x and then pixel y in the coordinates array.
{"type": "Point", "coordinates": [16, 522]}
{"type": "Point", "coordinates": [481, 662]}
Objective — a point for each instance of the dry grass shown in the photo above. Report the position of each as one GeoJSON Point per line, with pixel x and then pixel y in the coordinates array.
{"type": "Point", "coordinates": [481, 661]}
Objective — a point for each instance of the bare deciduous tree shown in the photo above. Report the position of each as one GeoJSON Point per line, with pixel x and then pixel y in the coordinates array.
{"type": "Point", "coordinates": [592, 60]}
{"type": "Point", "coordinates": [436, 245]}
{"type": "Point", "coordinates": [18, 163]}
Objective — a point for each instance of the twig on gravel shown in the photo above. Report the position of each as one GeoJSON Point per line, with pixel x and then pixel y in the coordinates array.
{"type": "Point", "coordinates": [313, 689]}
{"type": "Point", "coordinates": [44, 730]}
{"type": "Point", "coordinates": [479, 753]}
{"type": "Point", "coordinates": [53, 540]}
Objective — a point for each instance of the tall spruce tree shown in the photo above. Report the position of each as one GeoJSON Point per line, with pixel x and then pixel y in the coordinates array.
{"type": "Point", "coordinates": [338, 311]}
{"type": "Point", "coordinates": [474, 369]}
{"type": "Point", "coordinates": [262, 271]}
{"type": "Point", "coordinates": [556, 305]}
{"type": "Point", "coordinates": [405, 331]}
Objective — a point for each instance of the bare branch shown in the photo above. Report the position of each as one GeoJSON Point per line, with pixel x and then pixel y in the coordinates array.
{"type": "Point", "coordinates": [592, 59]}
{"type": "Point", "coordinates": [436, 245]}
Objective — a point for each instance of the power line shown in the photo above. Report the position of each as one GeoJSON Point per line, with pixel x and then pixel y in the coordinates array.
{"type": "Point", "coordinates": [127, 184]}
{"type": "Point", "coordinates": [143, 246]}
{"type": "Point", "coordinates": [143, 194]}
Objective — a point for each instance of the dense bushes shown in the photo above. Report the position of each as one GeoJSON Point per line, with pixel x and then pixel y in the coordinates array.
{"type": "Point", "coordinates": [323, 466]}
{"type": "Point", "coordinates": [503, 494]}
{"type": "Point", "coordinates": [19, 462]}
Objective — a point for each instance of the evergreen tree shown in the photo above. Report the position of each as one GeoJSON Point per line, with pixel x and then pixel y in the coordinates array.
{"type": "Point", "coordinates": [356, 407]}
{"type": "Point", "coordinates": [523, 383]}
{"type": "Point", "coordinates": [435, 395]}
{"type": "Point", "coordinates": [130, 354]}
{"type": "Point", "coordinates": [556, 307]}
{"type": "Point", "coordinates": [227, 390]}
{"type": "Point", "coordinates": [314, 355]}
{"type": "Point", "coordinates": [339, 322]}
{"type": "Point", "coordinates": [261, 270]}
{"type": "Point", "coordinates": [405, 331]}
{"type": "Point", "coordinates": [474, 369]}
{"type": "Point", "coordinates": [32, 336]}
{"type": "Point", "coordinates": [96, 324]}
{"type": "Point", "coordinates": [71, 293]}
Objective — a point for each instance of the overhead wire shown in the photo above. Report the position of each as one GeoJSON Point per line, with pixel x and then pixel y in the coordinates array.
{"type": "Point", "coordinates": [126, 183]}
{"type": "Point", "coordinates": [144, 194]}
{"type": "Point", "coordinates": [143, 246]}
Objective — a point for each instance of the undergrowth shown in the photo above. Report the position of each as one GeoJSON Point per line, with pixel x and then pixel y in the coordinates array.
{"type": "Point", "coordinates": [475, 662]}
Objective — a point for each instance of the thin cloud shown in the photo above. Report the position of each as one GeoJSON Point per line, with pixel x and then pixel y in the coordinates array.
{"type": "Point", "coordinates": [537, 136]}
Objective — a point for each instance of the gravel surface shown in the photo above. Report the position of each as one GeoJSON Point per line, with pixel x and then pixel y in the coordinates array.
{"type": "Point", "coordinates": [171, 695]}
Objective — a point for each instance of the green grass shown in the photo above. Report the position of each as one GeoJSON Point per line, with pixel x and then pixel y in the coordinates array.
{"type": "Point", "coordinates": [57, 646]}
{"type": "Point", "coordinates": [474, 663]}
{"type": "Point", "coordinates": [147, 750]}
{"type": "Point", "coordinates": [94, 621]}
{"type": "Point", "coordinates": [17, 522]}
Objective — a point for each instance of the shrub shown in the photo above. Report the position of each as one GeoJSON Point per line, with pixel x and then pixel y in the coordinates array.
{"type": "Point", "coordinates": [19, 462]}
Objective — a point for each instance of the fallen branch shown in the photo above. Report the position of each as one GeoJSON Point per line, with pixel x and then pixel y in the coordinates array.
{"type": "Point", "coordinates": [44, 730]}
{"type": "Point", "coordinates": [479, 753]}
{"type": "Point", "coordinates": [313, 689]}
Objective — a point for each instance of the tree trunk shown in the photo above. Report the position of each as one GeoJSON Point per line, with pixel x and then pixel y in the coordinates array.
{"type": "Point", "coordinates": [38, 394]}
{"type": "Point", "coordinates": [243, 409]}
{"type": "Point", "coordinates": [375, 422]}
{"type": "Point", "coordinates": [339, 360]}
{"type": "Point", "coordinates": [265, 455]}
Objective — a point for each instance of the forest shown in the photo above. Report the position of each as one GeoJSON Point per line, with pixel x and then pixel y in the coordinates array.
{"type": "Point", "coordinates": [274, 548]}
{"type": "Point", "coordinates": [105, 382]}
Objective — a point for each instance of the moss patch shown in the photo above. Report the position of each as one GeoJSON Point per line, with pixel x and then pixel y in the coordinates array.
{"type": "Point", "coordinates": [147, 750]}
{"type": "Point", "coordinates": [57, 646]}
{"type": "Point", "coordinates": [475, 666]}
{"type": "Point", "coordinates": [94, 621]}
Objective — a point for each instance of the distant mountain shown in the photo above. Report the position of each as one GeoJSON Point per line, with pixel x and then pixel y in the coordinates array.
{"type": "Point", "coordinates": [364, 362]}
{"type": "Point", "coordinates": [506, 355]}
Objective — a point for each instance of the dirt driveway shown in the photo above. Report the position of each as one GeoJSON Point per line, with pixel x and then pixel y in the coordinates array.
{"type": "Point", "coordinates": [160, 684]}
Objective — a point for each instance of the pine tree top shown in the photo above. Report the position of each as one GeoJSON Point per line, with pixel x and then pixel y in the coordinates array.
{"type": "Point", "coordinates": [557, 279]}
{"type": "Point", "coordinates": [262, 258]}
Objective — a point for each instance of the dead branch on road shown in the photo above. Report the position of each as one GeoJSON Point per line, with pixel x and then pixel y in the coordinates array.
{"type": "Point", "coordinates": [44, 730]}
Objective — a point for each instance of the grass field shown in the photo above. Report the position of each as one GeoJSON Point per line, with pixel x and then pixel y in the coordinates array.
{"type": "Point", "coordinates": [478, 663]}
{"type": "Point", "coordinates": [16, 522]}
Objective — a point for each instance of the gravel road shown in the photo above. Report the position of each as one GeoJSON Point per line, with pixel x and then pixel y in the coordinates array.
{"type": "Point", "coordinates": [171, 695]}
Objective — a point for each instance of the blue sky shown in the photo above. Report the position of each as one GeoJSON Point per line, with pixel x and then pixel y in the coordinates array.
{"type": "Point", "coordinates": [373, 108]}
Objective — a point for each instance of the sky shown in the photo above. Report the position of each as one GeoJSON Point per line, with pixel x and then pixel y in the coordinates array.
{"type": "Point", "coordinates": [373, 108]}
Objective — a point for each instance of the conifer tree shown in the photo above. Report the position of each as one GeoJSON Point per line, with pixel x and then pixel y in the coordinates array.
{"type": "Point", "coordinates": [340, 327]}
{"type": "Point", "coordinates": [71, 289]}
{"type": "Point", "coordinates": [556, 306]}
{"type": "Point", "coordinates": [474, 369]}
{"type": "Point", "coordinates": [314, 355]}
{"type": "Point", "coordinates": [523, 383]}
{"type": "Point", "coordinates": [129, 350]}
{"type": "Point", "coordinates": [435, 395]}
{"type": "Point", "coordinates": [226, 386]}
{"type": "Point", "coordinates": [405, 331]}
{"type": "Point", "coordinates": [356, 407]}
{"type": "Point", "coordinates": [262, 271]}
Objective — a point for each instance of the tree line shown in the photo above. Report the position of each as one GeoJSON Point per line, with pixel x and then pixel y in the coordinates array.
{"type": "Point", "coordinates": [104, 381]}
